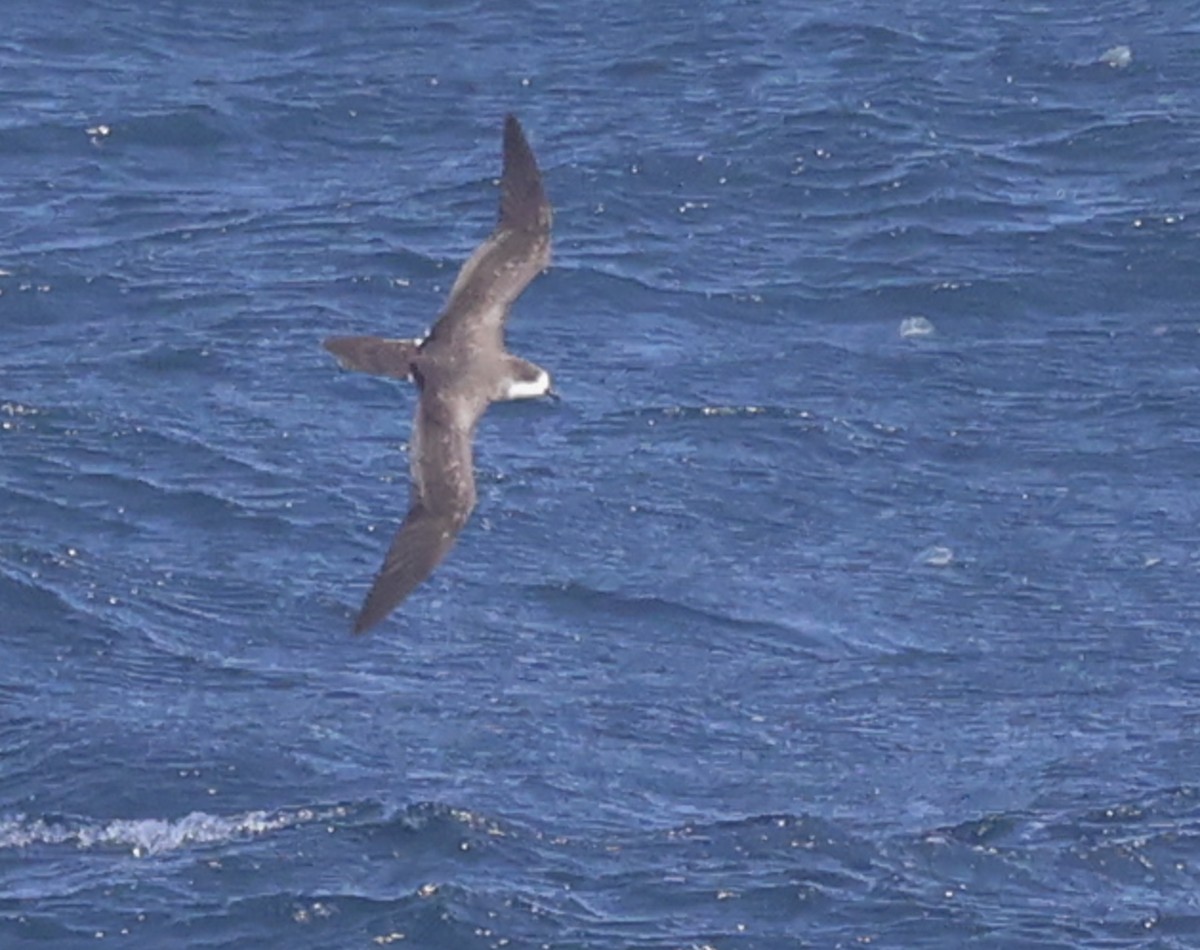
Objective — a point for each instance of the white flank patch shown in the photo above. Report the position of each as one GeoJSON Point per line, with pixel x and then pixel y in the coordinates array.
{"type": "Point", "coordinates": [529, 389]}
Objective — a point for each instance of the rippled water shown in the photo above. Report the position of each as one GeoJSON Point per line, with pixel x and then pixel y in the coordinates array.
{"type": "Point", "coordinates": [848, 599]}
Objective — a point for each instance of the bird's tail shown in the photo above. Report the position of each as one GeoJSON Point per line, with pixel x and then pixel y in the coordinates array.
{"type": "Point", "coordinates": [375, 355]}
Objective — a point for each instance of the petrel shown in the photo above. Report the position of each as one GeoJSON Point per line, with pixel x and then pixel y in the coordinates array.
{"type": "Point", "coordinates": [460, 368]}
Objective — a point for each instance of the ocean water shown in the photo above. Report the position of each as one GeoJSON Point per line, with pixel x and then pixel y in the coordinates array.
{"type": "Point", "coordinates": [849, 598]}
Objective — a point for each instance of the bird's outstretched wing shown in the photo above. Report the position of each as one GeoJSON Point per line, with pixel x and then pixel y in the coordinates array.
{"type": "Point", "coordinates": [422, 542]}
{"type": "Point", "coordinates": [503, 265]}
{"type": "Point", "coordinates": [373, 354]}
{"type": "Point", "coordinates": [442, 498]}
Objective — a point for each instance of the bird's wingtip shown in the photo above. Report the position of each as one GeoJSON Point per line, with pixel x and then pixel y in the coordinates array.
{"type": "Point", "coordinates": [514, 134]}
{"type": "Point", "coordinates": [523, 204]}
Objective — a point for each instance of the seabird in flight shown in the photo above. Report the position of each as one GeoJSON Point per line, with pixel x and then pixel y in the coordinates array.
{"type": "Point", "coordinates": [460, 368]}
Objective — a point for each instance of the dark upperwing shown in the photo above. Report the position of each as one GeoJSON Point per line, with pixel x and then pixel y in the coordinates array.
{"type": "Point", "coordinates": [503, 265]}
{"type": "Point", "coordinates": [443, 496]}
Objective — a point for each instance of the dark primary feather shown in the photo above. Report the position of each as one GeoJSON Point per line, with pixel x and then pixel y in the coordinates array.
{"type": "Point", "coordinates": [424, 539]}
{"type": "Point", "coordinates": [523, 204]}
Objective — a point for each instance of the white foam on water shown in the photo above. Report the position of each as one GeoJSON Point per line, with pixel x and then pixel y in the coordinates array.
{"type": "Point", "coordinates": [146, 836]}
{"type": "Point", "coordinates": [915, 326]}
{"type": "Point", "coordinates": [1118, 57]}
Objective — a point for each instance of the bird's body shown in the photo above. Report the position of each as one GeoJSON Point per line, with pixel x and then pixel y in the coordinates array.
{"type": "Point", "coordinates": [460, 369]}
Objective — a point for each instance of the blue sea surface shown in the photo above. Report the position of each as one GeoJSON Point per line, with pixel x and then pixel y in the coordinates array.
{"type": "Point", "coordinates": [849, 598]}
